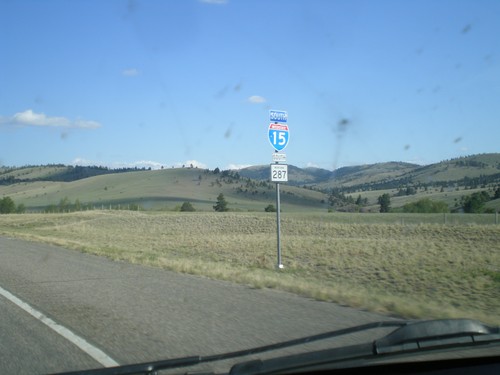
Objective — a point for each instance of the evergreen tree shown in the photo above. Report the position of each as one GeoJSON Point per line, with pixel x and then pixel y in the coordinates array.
{"type": "Point", "coordinates": [385, 202]}
{"type": "Point", "coordinates": [359, 200]}
{"type": "Point", "coordinates": [221, 205]}
{"type": "Point", "coordinates": [7, 206]}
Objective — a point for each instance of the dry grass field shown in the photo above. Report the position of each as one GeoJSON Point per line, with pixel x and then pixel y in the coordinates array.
{"type": "Point", "coordinates": [411, 270]}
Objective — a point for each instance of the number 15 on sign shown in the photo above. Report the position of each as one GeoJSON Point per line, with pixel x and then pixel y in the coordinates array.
{"type": "Point", "coordinates": [278, 136]}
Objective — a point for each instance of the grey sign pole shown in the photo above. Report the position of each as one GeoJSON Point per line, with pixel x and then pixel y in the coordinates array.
{"type": "Point", "coordinates": [278, 224]}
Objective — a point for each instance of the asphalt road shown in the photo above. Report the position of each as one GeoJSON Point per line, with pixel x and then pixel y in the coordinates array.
{"type": "Point", "coordinates": [135, 313]}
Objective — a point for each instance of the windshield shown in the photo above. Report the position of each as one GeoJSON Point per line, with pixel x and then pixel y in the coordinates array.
{"type": "Point", "coordinates": [188, 178]}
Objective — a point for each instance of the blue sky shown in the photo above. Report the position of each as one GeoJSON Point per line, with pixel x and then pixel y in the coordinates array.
{"type": "Point", "coordinates": [165, 83]}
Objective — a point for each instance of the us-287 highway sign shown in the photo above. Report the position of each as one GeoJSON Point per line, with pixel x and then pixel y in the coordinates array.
{"type": "Point", "coordinates": [279, 173]}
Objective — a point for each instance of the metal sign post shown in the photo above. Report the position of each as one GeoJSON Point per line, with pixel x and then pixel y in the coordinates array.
{"type": "Point", "coordinates": [279, 173]}
{"type": "Point", "coordinates": [278, 225]}
{"type": "Point", "coordinates": [278, 134]}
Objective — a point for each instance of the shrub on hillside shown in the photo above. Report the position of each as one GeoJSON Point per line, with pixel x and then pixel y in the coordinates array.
{"type": "Point", "coordinates": [187, 207]}
{"type": "Point", "coordinates": [270, 208]}
{"type": "Point", "coordinates": [426, 206]}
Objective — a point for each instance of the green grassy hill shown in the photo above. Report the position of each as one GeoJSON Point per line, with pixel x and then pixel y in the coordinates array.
{"type": "Point", "coordinates": [31, 173]}
{"type": "Point", "coordinates": [249, 189]}
{"type": "Point", "coordinates": [381, 176]}
{"type": "Point", "coordinates": [447, 181]}
{"type": "Point", "coordinates": [297, 176]}
{"type": "Point", "coordinates": [57, 172]}
{"type": "Point", "coordinates": [162, 189]}
{"type": "Point", "coordinates": [458, 169]}
{"type": "Point", "coordinates": [351, 176]}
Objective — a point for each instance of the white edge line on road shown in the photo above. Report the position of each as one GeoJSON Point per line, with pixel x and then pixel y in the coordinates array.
{"type": "Point", "coordinates": [88, 348]}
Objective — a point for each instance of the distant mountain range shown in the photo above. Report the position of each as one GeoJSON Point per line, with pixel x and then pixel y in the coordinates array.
{"type": "Point", "coordinates": [57, 186]}
{"type": "Point", "coordinates": [388, 175]}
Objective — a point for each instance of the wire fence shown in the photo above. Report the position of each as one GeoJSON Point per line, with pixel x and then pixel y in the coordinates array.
{"type": "Point", "coordinates": [415, 218]}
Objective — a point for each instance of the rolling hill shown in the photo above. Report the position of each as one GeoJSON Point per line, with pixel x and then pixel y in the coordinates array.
{"type": "Point", "coordinates": [248, 189]}
{"type": "Point", "coordinates": [390, 174]}
{"type": "Point", "coordinates": [159, 189]}
{"type": "Point", "coordinates": [342, 177]}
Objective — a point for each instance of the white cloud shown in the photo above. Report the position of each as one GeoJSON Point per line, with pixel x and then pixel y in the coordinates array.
{"type": "Point", "coordinates": [30, 118]}
{"type": "Point", "coordinates": [238, 166]}
{"type": "Point", "coordinates": [85, 124]}
{"type": "Point", "coordinates": [131, 72]}
{"type": "Point", "coordinates": [312, 165]}
{"type": "Point", "coordinates": [81, 162]}
{"type": "Point", "coordinates": [137, 164]}
{"type": "Point", "coordinates": [256, 99]}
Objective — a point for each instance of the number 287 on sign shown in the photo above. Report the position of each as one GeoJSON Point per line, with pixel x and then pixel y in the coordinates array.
{"type": "Point", "coordinates": [279, 173]}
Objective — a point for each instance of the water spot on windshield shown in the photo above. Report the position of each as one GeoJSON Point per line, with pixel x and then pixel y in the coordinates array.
{"type": "Point", "coordinates": [228, 132]}
{"type": "Point", "coordinates": [466, 28]}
